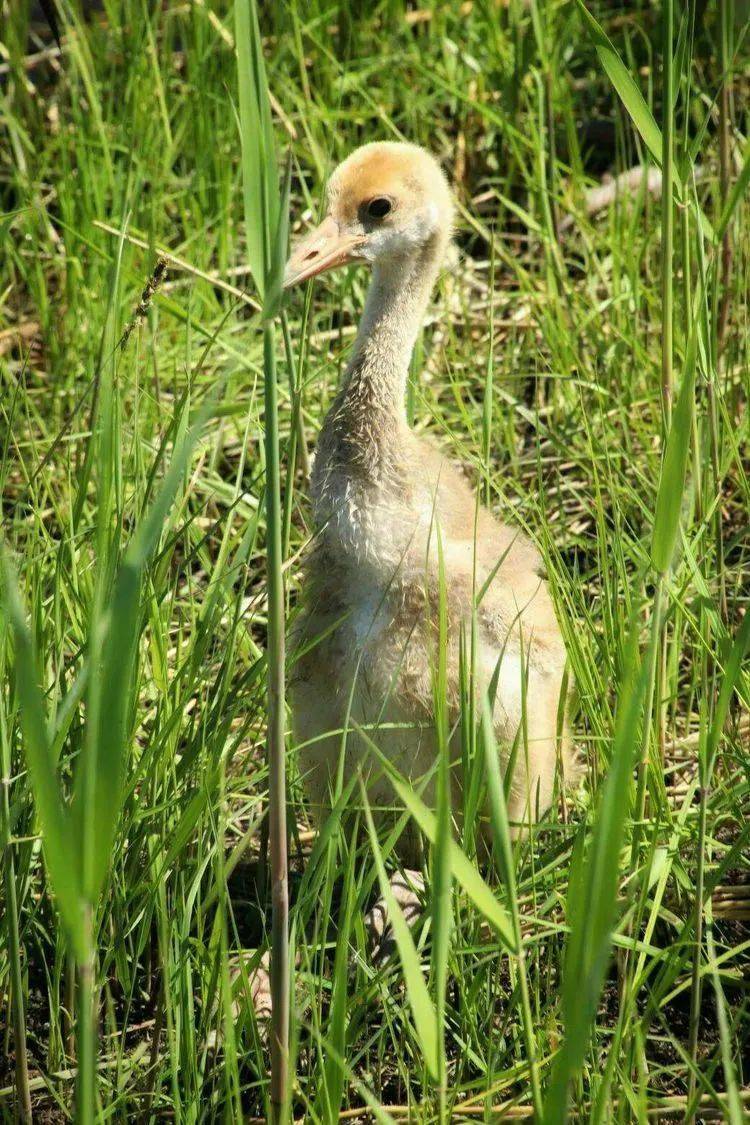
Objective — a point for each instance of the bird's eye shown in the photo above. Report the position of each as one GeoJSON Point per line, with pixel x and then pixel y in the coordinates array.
{"type": "Point", "coordinates": [379, 207]}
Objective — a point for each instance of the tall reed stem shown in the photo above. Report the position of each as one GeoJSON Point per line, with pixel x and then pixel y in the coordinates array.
{"type": "Point", "coordinates": [86, 1029]}
{"type": "Point", "coordinates": [695, 981]}
{"type": "Point", "coordinates": [276, 744]}
{"type": "Point", "coordinates": [659, 670]}
{"type": "Point", "coordinates": [653, 649]}
{"type": "Point", "coordinates": [667, 227]}
{"type": "Point", "coordinates": [23, 1092]}
{"type": "Point", "coordinates": [725, 13]}
{"type": "Point", "coordinates": [723, 281]}
{"type": "Point", "coordinates": [704, 775]}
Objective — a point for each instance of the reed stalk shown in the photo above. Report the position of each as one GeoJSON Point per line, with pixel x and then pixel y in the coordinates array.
{"type": "Point", "coordinates": [23, 1092]}
{"type": "Point", "coordinates": [726, 18]}
{"type": "Point", "coordinates": [86, 1033]}
{"type": "Point", "coordinates": [266, 227]}
{"type": "Point", "coordinates": [667, 220]}
{"type": "Point", "coordinates": [648, 710]}
{"type": "Point", "coordinates": [667, 358]}
{"type": "Point", "coordinates": [507, 863]}
{"type": "Point", "coordinates": [657, 650]}
{"type": "Point", "coordinates": [695, 981]}
{"type": "Point", "coordinates": [278, 838]}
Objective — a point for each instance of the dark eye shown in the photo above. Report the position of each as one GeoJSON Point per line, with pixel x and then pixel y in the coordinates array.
{"type": "Point", "coordinates": [379, 207]}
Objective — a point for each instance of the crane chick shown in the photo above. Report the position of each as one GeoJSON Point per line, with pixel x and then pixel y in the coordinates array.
{"type": "Point", "coordinates": [366, 637]}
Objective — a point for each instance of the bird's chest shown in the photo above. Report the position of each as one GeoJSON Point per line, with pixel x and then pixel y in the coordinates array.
{"type": "Point", "coordinates": [364, 633]}
{"type": "Point", "coordinates": [361, 530]}
{"type": "Point", "coordinates": [366, 504]}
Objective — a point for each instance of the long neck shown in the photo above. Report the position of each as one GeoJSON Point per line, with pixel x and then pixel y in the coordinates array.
{"type": "Point", "coordinates": [363, 445]}
{"type": "Point", "coordinates": [375, 382]}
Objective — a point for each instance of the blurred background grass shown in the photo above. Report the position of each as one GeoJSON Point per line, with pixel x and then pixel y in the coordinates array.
{"type": "Point", "coordinates": [539, 369]}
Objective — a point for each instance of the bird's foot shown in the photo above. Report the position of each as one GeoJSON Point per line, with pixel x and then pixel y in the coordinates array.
{"type": "Point", "coordinates": [407, 887]}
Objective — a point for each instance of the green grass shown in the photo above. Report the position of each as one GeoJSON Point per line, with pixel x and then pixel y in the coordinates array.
{"type": "Point", "coordinates": [597, 395]}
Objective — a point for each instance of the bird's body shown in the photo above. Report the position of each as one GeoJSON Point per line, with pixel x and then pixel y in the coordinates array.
{"type": "Point", "coordinates": [365, 643]}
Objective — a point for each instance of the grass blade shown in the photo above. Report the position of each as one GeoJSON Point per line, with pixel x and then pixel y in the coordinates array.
{"type": "Point", "coordinates": [732, 673]}
{"type": "Point", "coordinates": [504, 852]}
{"type": "Point", "coordinates": [674, 467]}
{"type": "Point", "coordinates": [735, 1113]}
{"type": "Point", "coordinates": [735, 196]}
{"type": "Point", "coordinates": [623, 82]}
{"type": "Point", "coordinates": [266, 222]}
{"type": "Point", "coordinates": [59, 838]}
{"type": "Point", "coordinates": [423, 1011]}
{"type": "Point", "coordinates": [260, 190]}
{"type": "Point", "coordinates": [440, 896]}
{"type": "Point", "coordinates": [593, 891]}
{"type": "Point", "coordinates": [464, 871]}
{"type": "Point", "coordinates": [100, 775]}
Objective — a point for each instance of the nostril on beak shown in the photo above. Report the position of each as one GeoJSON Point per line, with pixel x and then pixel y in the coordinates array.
{"type": "Point", "coordinates": [311, 254]}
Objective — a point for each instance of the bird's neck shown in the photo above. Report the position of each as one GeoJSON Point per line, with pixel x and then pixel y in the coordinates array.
{"type": "Point", "coordinates": [375, 382]}
{"type": "Point", "coordinates": [362, 457]}
{"type": "Point", "coordinates": [364, 427]}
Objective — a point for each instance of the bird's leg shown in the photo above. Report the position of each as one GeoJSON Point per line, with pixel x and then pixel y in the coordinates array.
{"type": "Point", "coordinates": [260, 987]}
{"type": "Point", "coordinates": [407, 887]}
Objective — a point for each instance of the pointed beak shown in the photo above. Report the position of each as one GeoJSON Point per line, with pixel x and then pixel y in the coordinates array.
{"type": "Point", "coordinates": [325, 249]}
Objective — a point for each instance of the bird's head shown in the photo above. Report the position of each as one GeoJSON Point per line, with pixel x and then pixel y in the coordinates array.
{"type": "Point", "coordinates": [386, 202]}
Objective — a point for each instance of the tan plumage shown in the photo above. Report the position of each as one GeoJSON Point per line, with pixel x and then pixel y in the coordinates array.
{"type": "Point", "coordinates": [365, 639]}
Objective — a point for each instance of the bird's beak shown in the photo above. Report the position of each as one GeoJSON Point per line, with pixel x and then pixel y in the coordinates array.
{"type": "Point", "coordinates": [324, 249]}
